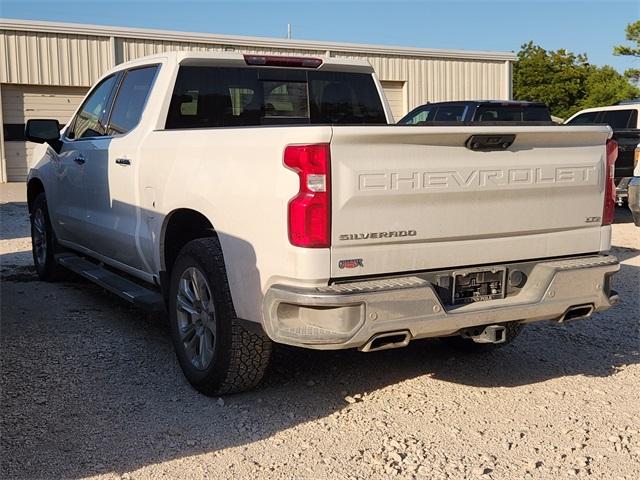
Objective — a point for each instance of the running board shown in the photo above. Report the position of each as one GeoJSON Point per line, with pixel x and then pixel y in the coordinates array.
{"type": "Point", "coordinates": [137, 294]}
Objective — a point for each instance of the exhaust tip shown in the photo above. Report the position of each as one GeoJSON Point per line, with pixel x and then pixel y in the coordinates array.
{"type": "Point", "coordinates": [577, 312]}
{"type": "Point", "coordinates": [386, 341]}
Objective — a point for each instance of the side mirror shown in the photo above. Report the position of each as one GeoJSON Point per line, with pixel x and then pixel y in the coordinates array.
{"type": "Point", "coordinates": [43, 131]}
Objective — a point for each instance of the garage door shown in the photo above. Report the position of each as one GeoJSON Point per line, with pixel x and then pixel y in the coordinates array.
{"type": "Point", "coordinates": [23, 102]}
{"type": "Point", "coordinates": [394, 92]}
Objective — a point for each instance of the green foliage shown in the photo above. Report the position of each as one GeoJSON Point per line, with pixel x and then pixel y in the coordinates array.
{"type": "Point", "coordinates": [605, 86]}
{"type": "Point", "coordinates": [565, 81]}
{"type": "Point", "coordinates": [633, 35]}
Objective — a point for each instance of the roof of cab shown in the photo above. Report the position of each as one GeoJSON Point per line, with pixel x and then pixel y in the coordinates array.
{"type": "Point", "coordinates": [185, 57]}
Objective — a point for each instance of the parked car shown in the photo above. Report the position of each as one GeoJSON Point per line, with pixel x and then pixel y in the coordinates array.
{"type": "Point", "coordinates": [624, 119]}
{"type": "Point", "coordinates": [477, 111]}
{"type": "Point", "coordinates": [266, 199]}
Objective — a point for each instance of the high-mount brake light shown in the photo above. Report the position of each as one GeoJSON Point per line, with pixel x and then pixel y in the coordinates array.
{"type": "Point", "coordinates": [608, 211]}
{"type": "Point", "coordinates": [309, 215]}
{"type": "Point", "coordinates": [277, 61]}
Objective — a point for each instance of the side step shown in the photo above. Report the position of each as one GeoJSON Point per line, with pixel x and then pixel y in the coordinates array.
{"type": "Point", "coordinates": [137, 294]}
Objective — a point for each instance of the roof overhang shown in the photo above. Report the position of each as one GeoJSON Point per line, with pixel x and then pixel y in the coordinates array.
{"type": "Point", "coordinates": [244, 41]}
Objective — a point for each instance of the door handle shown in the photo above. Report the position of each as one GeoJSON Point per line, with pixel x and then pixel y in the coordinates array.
{"type": "Point", "coordinates": [79, 159]}
{"type": "Point", "coordinates": [123, 161]}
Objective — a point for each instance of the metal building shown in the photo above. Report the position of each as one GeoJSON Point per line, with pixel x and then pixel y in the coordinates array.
{"type": "Point", "coordinates": [46, 68]}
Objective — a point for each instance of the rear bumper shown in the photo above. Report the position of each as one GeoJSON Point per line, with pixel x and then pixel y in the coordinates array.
{"type": "Point", "coordinates": [634, 199]}
{"type": "Point", "coordinates": [349, 315]}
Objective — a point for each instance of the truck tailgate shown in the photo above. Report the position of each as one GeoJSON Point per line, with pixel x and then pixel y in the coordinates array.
{"type": "Point", "coordinates": [416, 198]}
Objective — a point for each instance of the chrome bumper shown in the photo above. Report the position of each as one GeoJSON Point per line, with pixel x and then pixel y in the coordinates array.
{"type": "Point", "coordinates": [634, 199]}
{"type": "Point", "coordinates": [348, 315]}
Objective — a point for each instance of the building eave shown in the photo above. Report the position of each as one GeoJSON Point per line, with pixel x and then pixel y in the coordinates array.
{"type": "Point", "coordinates": [247, 41]}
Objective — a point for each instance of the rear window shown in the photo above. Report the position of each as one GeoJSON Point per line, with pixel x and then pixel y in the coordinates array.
{"type": "Point", "coordinates": [220, 97]}
{"type": "Point", "coordinates": [512, 113]}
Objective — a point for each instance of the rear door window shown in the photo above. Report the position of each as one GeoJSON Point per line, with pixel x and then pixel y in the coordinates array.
{"type": "Point", "coordinates": [617, 119]}
{"type": "Point", "coordinates": [221, 97]}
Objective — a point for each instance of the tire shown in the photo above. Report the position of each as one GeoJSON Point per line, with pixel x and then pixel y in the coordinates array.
{"type": "Point", "coordinates": [217, 352]}
{"type": "Point", "coordinates": [467, 345]}
{"type": "Point", "coordinates": [43, 242]}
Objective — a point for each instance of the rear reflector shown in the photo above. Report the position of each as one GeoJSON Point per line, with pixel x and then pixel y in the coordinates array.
{"type": "Point", "coordinates": [309, 215]}
{"type": "Point", "coordinates": [609, 209]}
{"type": "Point", "coordinates": [276, 61]}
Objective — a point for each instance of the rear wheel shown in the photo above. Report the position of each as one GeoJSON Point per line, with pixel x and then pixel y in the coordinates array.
{"type": "Point", "coordinates": [464, 344]}
{"type": "Point", "coordinates": [43, 242]}
{"type": "Point", "coordinates": [217, 353]}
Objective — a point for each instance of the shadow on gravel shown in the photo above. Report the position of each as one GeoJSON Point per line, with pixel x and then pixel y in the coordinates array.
{"type": "Point", "coordinates": [90, 385]}
{"type": "Point", "coordinates": [623, 215]}
{"type": "Point", "coordinates": [13, 213]}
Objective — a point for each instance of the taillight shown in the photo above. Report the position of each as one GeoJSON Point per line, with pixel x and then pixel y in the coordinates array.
{"type": "Point", "coordinates": [310, 209]}
{"type": "Point", "coordinates": [636, 159]}
{"type": "Point", "coordinates": [608, 211]}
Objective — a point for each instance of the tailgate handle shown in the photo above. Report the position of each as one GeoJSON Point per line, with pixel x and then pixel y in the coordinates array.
{"type": "Point", "coordinates": [487, 143]}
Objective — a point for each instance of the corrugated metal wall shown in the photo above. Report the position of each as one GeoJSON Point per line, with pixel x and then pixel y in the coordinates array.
{"type": "Point", "coordinates": [435, 80]}
{"type": "Point", "coordinates": [41, 53]}
{"type": "Point", "coordinates": [427, 79]}
{"type": "Point", "coordinates": [132, 48]}
{"type": "Point", "coordinates": [77, 60]}
{"type": "Point", "coordinates": [53, 59]}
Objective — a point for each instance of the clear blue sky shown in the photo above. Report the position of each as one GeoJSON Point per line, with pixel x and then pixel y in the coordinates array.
{"type": "Point", "coordinates": [582, 26]}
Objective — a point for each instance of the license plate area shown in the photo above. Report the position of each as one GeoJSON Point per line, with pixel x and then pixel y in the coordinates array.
{"type": "Point", "coordinates": [478, 285]}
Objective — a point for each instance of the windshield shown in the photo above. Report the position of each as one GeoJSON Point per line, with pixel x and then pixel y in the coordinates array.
{"type": "Point", "coordinates": [218, 97]}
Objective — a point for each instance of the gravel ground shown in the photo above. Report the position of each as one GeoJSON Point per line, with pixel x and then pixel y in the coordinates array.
{"type": "Point", "coordinates": [91, 388]}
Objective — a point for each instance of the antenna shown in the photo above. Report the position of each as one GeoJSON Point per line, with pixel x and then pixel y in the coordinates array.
{"type": "Point", "coordinates": [288, 31]}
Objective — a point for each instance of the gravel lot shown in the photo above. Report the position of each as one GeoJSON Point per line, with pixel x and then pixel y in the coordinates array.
{"type": "Point", "coordinates": [91, 388]}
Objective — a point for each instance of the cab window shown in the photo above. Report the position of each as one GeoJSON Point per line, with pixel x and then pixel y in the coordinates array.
{"type": "Point", "coordinates": [131, 99]}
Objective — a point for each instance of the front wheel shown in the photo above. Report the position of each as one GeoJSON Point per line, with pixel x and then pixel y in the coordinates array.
{"type": "Point", "coordinates": [217, 353]}
{"type": "Point", "coordinates": [43, 242]}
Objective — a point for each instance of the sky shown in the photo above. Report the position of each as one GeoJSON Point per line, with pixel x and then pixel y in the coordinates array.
{"type": "Point", "coordinates": [582, 26]}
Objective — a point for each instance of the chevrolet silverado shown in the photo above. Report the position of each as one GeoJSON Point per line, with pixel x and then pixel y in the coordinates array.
{"type": "Point", "coordinates": [262, 199]}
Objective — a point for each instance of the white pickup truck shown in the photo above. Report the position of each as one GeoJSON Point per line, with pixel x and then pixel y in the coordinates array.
{"type": "Point", "coordinates": [265, 199]}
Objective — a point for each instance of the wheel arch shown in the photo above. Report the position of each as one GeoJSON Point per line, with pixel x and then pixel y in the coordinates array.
{"type": "Point", "coordinates": [181, 226]}
{"type": "Point", "coordinates": [34, 188]}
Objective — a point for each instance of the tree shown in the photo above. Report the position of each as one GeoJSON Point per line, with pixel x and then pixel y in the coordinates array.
{"type": "Point", "coordinates": [633, 35]}
{"type": "Point", "coordinates": [565, 81]}
{"type": "Point", "coordinates": [605, 86]}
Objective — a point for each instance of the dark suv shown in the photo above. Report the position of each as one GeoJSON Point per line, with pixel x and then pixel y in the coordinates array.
{"type": "Point", "coordinates": [477, 111]}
